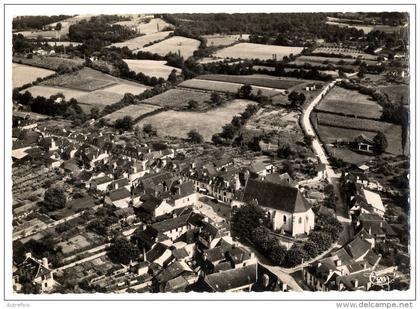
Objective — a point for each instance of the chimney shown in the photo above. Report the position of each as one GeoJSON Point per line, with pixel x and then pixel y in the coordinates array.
{"type": "Point", "coordinates": [45, 262]}
{"type": "Point", "coordinates": [338, 262]}
{"type": "Point", "coordinates": [144, 254]}
{"type": "Point", "coordinates": [28, 255]}
{"type": "Point", "coordinates": [356, 283]}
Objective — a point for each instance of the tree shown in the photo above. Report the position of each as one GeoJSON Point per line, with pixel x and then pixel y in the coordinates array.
{"type": "Point", "coordinates": [172, 77]}
{"type": "Point", "coordinates": [321, 239]}
{"type": "Point", "coordinates": [294, 256]}
{"type": "Point", "coordinates": [58, 26]}
{"type": "Point", "coordinates": [229, 131]}
{"type": "Point", "coordinates": [216, 99]}
{"type": "Point", "coordinates": [192, 104]}
{"type": "Point", "coordinates": [54, 198]}
{"type": "Point", "coordinates": [245, 91]}
{"type": "Point", "coordinates": [237, 121]}
{"type": "Point", "coordinates": [296, 99]}
{"type": "Point", "coordinates": [246, 219]}
{"type": "Point", "coordinates": [380, 143]}
{"type": "Point", "coordinates": [278, 254]}
{"type": "Point", "coordinates": [195, 137]}
{"type": "Point", "coordinates": [311, 249]}
{"type": "Point", "coordinates": [122, 251]}
{"type": "Point", "coordinates": [125, 124]}
{"type": "Point", "coordinates": [149, 129]}
{"type": "Point", "coordinates": [284, 151]}
{"type": "Point", "coordinates": [94, 112]}
{"type": "Point", "coordinates": [261, 239]}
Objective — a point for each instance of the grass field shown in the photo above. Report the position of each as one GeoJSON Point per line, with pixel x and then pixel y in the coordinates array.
{"type": "Point", "coordinates": [254, 51]}
{"type": "Point", "coordinates": [153, 26]}
{"type": "Point", "coordinates": [345, 51]}
{"type": "Point", "coordinates": [127, 87]}
{"type": "Point", "coordinates": [227, 87]}
{"type": "Point", "coordinates": [367, 28]}
{"type": "Point", "coordinates": [46, 91]}
{"type": "Point", "coordinates": [134, 111]}
{"type": "Point", "coordinates": [179, 98]}
{"type": "Point", "coordinates": [353, 123]}
{"type": "Point", "coordinates": [392, 132]}
{"type": "Point", "coordinates": [100, 98]}
{"type": "Point", "coordinates": [51, 63]}
{"type": "Point", "coordinates": [178, 124]}
{"type": "Point", "coordinates": [25, 74]}
{"type": "Point", "coordinates": [155, 68]}
{"type": "Point", "coordinates": [350, 102]}
{"type": "Point", "coordinates": [224, 39]}
{"type": "Point", "coordinates": [139, 42]}
{"type": "Point", "coordinates": [185, 46]}
{"type": "Point", "coordinates": [255, 80]}
{"type": "Point", "coordinates": [396, 93]}
{"type": "Point", "coordinates": [318, 60]}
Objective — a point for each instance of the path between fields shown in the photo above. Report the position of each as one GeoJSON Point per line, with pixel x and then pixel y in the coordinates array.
{"type": "Point", "coordinates": [332, 176]}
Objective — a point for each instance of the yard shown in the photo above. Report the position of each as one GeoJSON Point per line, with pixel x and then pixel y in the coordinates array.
{"type": "Point", "coordinates": [179, 98]}
{"type": "Point", "coordinates": [134, 111]}
{"type": "Point", "coordinates": [157, 68]}
{"type": "Point", "coordinates": [257, 51]}
{"type": "Point", "coordinates": [350, 102]}
{"type": "Point", "coordinates": [139, 42]}
{"type": "Point", "coordinates": [176, 44]}
{"type": "Point", "coordinates": [25, 74]}
{"type": "Point", "coordinates": [178, 124]}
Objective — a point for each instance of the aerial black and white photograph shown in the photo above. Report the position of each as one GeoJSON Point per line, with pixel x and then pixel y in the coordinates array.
{"type": "Point", "coordinates": [201, 153]}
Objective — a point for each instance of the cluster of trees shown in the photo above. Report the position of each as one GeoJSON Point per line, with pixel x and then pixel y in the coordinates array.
{"type": "Point", "coordinates": [194, 137]}
{"type": "Point", "coordinates": [296, 99]}
{"type": "Point", "coordinates": [231, 130]}
{"type": "Point", "coordinates": [21, 44]}
{"type": "Point", "coordinates": [54, 199]}
{"type": "Point", "coordinates": [105, 217]}
{"type": "Point", "coordinates": [124, 124]}
{"type": "Point", "coordinates": [35, 22]}
{"type": "Point", "coordinates": [123, 251]}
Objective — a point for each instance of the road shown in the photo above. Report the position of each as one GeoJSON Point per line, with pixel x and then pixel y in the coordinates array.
{"type": "Point", "coordinates": [332, 176]}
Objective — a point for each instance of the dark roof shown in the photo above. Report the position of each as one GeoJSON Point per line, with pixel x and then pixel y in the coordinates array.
{"type": "Point", "coordinates": [177, 284]}
{"type": "Point", "coordinates": [101, 180]}
{"type": "Point", "coordinates": [32, 268]}
{"type": "Point", "coordinates": [231, 279]}
{"type": "Point", "coordinates": [81, 203]}
{"type": "Point", "coordinates": [156, 252]}
{"type": "Point", "coordinates": [119, 194]}
{"type": "Point", "coordinates": [363, 138]}
{"type": "Point", "coordinates": [173, 270]}
{"type": "Point", "coordinates": [150, 203]}
{"type": "Point", "coordinates": [357, 247]}
{"type": "Point", "coordinates": [171, 224]}
{"type": "Point", "coordinates": [275, 196]}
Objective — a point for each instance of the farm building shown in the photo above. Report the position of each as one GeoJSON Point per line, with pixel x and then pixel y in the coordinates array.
{"type": "Point", "coordinates": [363, 143]}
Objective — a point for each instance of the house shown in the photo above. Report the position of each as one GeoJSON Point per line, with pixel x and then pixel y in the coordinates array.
{"type": "Point", "coordinates": [100, 183]}
{"type": "Point", "coordinates": [232, 280]}
{"type": "Point", "coordinates": [37, 272]}
{"type": "Point", "coordinates": [288, 210]}
{"type": "Point", "coordinates": [120, 198]}
{"type": "Point", "coordinates": [321, 171]}
{"type": "Point", "coordinates": [212, 232]}
{"type": "Point", "coordinates": [363, 144]}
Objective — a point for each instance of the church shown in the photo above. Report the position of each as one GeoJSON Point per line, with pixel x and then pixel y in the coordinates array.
{"type": "Point", "coordinates": [288, 210]}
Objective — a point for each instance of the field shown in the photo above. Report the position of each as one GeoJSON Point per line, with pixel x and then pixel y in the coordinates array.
{"type": "Point", "coordinates": [345, 51]}
{"type": "Point", "coordinates": [185, 46]}
{"type": "Point", "coordinates": [330, 134]}
{"type": "Point", "coordinates": [154, 25]}
{"type": "Point", "coordinates": [226, 87]}
{"type": "Point", "coordinates": [367, 28]}
{"type": "Point", "coordinates": [63, 43]}
{"type": "Point", "coordinates": [179, 98]}
{"type": "Point", "coordinates": [25, 74]}
{"type": "Point", "coordinates": [254, 51]}
{"type": "Point", "coordinates": [46, 91]}
{"type": "Point", "coordinates": [139, 42]}
{"type": "Point", "coordinates": [350, 102]}
{"type": "Point", "coordinates": [51, 63]}
{"type": "Point", "coordinates": [134, 111]}
{"type": "Point", "coordinates": [324, 61]}
{"type": "Point", "coordinates": [178, 124]}
{"type": "Point", "coordinates": [155, 68]}
{"type": "Point", "coordinates": [224, 40]}
{"type": "Point", "coordinates": [353, 122]}
{"type": "Point", "coordinates": [255, 80]}
{"type": "Point", "coordinates": [89, 87]}
{"type": "Point", "coordinates": [397, 92]}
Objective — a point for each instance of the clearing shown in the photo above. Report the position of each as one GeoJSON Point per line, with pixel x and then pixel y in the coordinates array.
{"type": "Point", "coordinates": [350, 102]}
{"type": "Point", "coordinates": [46, 91]}
{"type": "Point", "coordinates": [139, 42]}
{"type": "Point", "coordinates": [178, 124]}
{"type": "Point", "coordinates": [257, 51]}
{"type": "Point", "coordinates": [157, 68]}
{"type": "Point", "coordinates": [224, 39]}
{"type": "Point", "coordinates": [25, 74]}
{"type": "Point", "coordinates": [255, 80]}
{"type": "Point", "coordinates": [176, 44]}
{"type": "Point", "coordinates": [151, 26]}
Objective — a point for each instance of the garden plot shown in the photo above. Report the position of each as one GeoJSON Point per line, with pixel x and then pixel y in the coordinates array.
{"type": "Point", "coordinates": [257, 51]}
{"type": "Point", "coordinates": [178, 124]}
{"type": "Point", "coordinates": [176, 44]}
{"type": "Point", "coordinates": [156, 68]}
{"type": "Point", "coordinates": [227, 87]}
{"type": "Point", "coordinates": [139, 42]}
{"type": "Point", "coordinates": [136, 112]}
{"type": "Point", "coordinates": [25, 74]}
{"type": "Point", "coordinates": [75, 243]}
{"type": "Point", "coordinates": [179, 98]}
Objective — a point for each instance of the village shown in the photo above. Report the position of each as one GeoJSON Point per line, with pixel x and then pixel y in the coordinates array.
{"type": "Point", "coordinates": [135, 189]}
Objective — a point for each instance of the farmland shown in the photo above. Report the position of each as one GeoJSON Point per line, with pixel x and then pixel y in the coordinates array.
{"type": "Point", "coordinates": [346, 52]}
{"type": "Point", "coordinates": [139, 42]}
{"type": "Point", "coordinates": [47, 91]}
{"type": "Point", "coordinates": [255, 80]}
{"type": "Point", "coordinates": [350, 102]}
{"type": "Point", "coordinates": [134, 111]}
{"type": "Point", "coordinates": [185, 46]}
{"type": "Point", "coordinates": [254, 51]}
{"type": "Point", "coordinates": [325, 61]}
{"type": "Point", "coordinates": [63, 43]}
{"type": "Point", "coordinates": [178, 124]}
{"type": "Point", "coordinates": [224, 40]}
{"type": "Point", "coordinates": [179, 98]}
{"type": "Point", "coordinates": [157, 68]}
{"type": "Point", "coordinates": [366, 28]}
{"type": "Point", "coordinates": [51, 63]}
{"type": "Point", "coordinates": [24, 74]}
{"type": "Point", "coordinates": [396, 93]}
{"type": "Point", "coordinates": [226, 87]}
{"type": "Point", "coordinates": [152, 26]}
{"type": "Point", "coordinates": [353, 122]}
